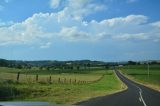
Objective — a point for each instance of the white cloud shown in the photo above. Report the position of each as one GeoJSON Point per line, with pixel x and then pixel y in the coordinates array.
{"type": "Point", "coordinates": [46, 45]}
{"type": "Point", "coordinates": [48, 27]}
{"type": "Point", "coordinates": [131, 19]}
{"type": "Point", "coordinates": [28, 32]}
{"type": "Point", "coordinates": [2, 24]}
{"type": "Point", "coordinates": [55, 3]}
{"type": "Point", "coordinates": [74, 34]}
{"type": "Point", "coordinates": [68, 24]}
{"type": "Point", "coordinates": [156, 24]}
{"type": "Point", "coordinates": [78, 8]}
{"type": "Point", "coordinates": [140, 36]}
{"type": "Point", "coordinates": [82, 8]}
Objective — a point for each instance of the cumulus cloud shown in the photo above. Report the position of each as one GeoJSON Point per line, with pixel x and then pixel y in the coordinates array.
{"type": "Point", "coordinates": [140, 36]}
{"type": "Point", "coordinates": [55, 3]}
{"type": "Point", "coordinates": [131, 19]}
{"type": "Point", "coordinates": [83, 7]}
{"type": "Point", "coordinates": [68, 25]}
{"type": "Point", "coordinates": [73, 34]}
{"type": "Point", "coordinates": [2, 24]}
{"type": "Point", "coordinates": [156, 24]}
{"type": "Point", "coordinates": [78, 8]}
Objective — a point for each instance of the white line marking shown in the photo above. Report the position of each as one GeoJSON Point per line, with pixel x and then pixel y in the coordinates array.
{"type": "Point", "coordinates": [140, 90]}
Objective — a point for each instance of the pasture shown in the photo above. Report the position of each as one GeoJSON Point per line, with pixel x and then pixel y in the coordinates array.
{"type": "Point", "coordinates": [140, 73]}
{"type": "Point", "coordinates": [71, 88]}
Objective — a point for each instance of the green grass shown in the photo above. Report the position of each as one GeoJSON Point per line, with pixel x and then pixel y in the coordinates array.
{"type": "Point", "coordinates": [140, 73]}
{"type": "Point", "coordinates": [61, 93]}
{"type": "Point", "coordinates": [43, 76]}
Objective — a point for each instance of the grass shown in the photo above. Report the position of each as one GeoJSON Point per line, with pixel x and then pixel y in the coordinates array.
{"type": "Point", "coordinates": [139, 73]}
{"type": "Point", "coordinates": [61, 93]}
{"type": "Point", "coordinates": [43, 76]}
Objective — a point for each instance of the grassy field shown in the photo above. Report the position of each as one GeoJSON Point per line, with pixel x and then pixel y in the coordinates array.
{"type": "Point", "coordinates": [61, 93]}
{"type": "Point", "coordinates": [140, 73]}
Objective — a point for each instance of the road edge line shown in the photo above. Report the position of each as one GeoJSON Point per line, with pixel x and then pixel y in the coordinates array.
{"type": "Point", "coordinates": [140, 90]}
{"type": "Point", "coordinates": [140, 83]}
{"type": "Point", "coordinates": [118, 91]}
{"type": "Point", "coordinates": [126, 87]}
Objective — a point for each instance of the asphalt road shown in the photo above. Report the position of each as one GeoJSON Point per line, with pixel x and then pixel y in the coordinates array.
{"type": "Point", "coordinates": [135, 95]}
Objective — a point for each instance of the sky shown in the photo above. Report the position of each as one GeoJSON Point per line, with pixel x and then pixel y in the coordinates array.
{"type": "Point", "coordinates": [105, 30]}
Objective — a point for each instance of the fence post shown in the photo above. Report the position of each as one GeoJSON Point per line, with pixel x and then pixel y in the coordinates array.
{"type": "Point", "coordinates": [59, 80]}
{"type": "Point", "coordinates": [75, 81]}
{"type": "Point", "coordinates": [36, 77]}
{"type": "Point", "coordinates": [64, 80]}
{"type": "Point", "coordinates": [70, 81]}
{"type": "Point", "coordinates": [50, 79]}
{"type": "Point", "coordinates": [18, 74]}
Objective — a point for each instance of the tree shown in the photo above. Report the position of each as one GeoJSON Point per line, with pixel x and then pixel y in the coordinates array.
{"type": "Point", "coordinates": [88, 65]}
{"type": "Point", "coordinates": [78, 67]}
{"type": "Point", "coordinates": [48, 68]}
{"type": "Point", "coordinates": [19, 66]}
{"type": "Point", "coordinates": [3, 63]}
{"type": "Point", "coordinates": [131, 63]}
{"type": "Point", "coordinates": [106, 67]}
{"type": "Point", "coordinates": [41, 68]}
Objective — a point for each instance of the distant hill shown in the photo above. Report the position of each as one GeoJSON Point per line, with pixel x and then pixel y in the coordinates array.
{"type": "Point", "coordinates": [4, 62]}
{"type": "Point", "coordinates": [40, 63]}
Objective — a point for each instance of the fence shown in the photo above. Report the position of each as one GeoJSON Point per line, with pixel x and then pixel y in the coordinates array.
{"type": "Point", "coordinates": [21, 78]}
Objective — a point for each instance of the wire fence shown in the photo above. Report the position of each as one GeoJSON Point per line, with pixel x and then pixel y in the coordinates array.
{"type": "Point", "coordinates": [38, 78]}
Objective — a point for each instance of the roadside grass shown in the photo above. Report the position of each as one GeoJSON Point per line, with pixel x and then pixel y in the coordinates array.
{"type": "Point", "coordinates": [64, 93]}
{"type": "Point", "coordinates": [139, 73]}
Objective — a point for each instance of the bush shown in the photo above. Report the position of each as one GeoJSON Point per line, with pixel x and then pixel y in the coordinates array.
{"type": "Point", "coordinates": [8, 92]}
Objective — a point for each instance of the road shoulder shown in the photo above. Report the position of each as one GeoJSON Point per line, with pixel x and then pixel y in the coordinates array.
{"type": "Point", "coordinates": [141, 83]}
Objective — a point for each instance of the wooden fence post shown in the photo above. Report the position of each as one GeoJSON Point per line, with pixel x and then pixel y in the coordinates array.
{"type": "Point", "coordinates": [18, 75]}
{"type": "Point", "coordinates": [59, 80]}
{"type": "Point", "coordinates": [64, 80]}
{"type": "Point", "coordinates": [75, 81]}
{"type": "Point", "coordinates": [50, 79]}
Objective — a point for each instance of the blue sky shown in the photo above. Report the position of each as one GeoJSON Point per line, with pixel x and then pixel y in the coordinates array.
{"type": "Point", "coordinates": [108, 30]}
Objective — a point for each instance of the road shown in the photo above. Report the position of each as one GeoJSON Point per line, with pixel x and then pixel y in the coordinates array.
{"type": "Point", "coordinates": [135, 95]}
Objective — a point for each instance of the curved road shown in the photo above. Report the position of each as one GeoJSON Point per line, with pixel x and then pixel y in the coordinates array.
{"type": "Point", "coordinates": [135, 95]}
